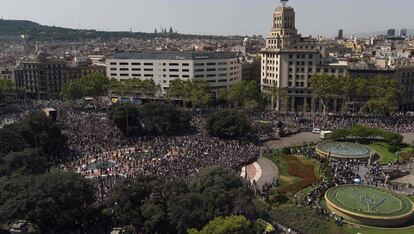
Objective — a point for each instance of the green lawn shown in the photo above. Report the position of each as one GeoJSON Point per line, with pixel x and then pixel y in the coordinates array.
{"type": "Point", "coordinates": [349, 197]}
{"type": "Point", "coordinates": [284, 178]}
{"type": "Point", "coordinates": [385, 155]}
{"type": "Point", "coordinates": [366, 230]}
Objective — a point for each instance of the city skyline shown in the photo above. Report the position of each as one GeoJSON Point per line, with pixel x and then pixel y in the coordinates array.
{"type": "Point", "coordinates": [231, 17]}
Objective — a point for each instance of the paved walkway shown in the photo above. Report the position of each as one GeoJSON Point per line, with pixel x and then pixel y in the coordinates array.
{"type": "Point", "coordinates": [294, 140]}
{"type": "Point", "coordinates": [408, 138]}
{"type": "Point", "coordinates": [269, 172]}
{"type": "Point", "coordinates": [263, 172]}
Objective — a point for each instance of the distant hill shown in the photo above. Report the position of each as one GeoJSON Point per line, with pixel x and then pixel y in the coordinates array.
{"type": "Point", "coordinates": [375, 33]}
{"type": "Point", "coordinates": [13, 29]}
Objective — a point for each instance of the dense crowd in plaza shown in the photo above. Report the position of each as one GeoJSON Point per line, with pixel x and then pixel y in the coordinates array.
{"type": "Point", "coordinates": [290, 124]}
{"type": "Point", "coordinates": [97, 149]}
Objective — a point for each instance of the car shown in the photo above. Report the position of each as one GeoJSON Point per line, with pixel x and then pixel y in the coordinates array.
{"type": "Point", "coordinates": [316, 131]}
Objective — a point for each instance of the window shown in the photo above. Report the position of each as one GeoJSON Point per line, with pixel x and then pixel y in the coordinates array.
{"type": "Point", "coordinates": [211, 64]}
{"type": "Point", "coordinates": [199, 64]}
{"type": "Point", "coordinates": [113, 68]}
{"type": "Point", "coordinates": [148, 64]}
{"type": "Point", "coordinates": [148, 69]}
{"type": "Point", "coordinates": [113, 63]}
{"type": "Point", "coordinates": [123, 64]}
{"type": "Point", "coordinates": [174, 64]}
{"type": "Point", "coordinates": [211, 75]}
{"type": "Point", "coordinates": [174, 70]}
{"type": "Point", "coordinates": [186, 64]}
{"type": "Point", "coordinates": [123, 74]}
{"type": "Point", "coordinates": [174, 76]}
{"type": "Point", "coordinates": [186, 70]}
{"type": "Point", "coordinates": [136, 69]}
{"type": "Point", "coordinates": [135, 64]}
{"type": "Point", "coordinates": [124, 69]}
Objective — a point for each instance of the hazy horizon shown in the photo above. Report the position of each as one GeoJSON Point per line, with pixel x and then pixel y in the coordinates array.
{"type": "Point", "coordinates": [214, 17]}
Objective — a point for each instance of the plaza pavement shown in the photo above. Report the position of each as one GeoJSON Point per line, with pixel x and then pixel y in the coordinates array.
{"type": "Point", "coordinates": [264, 170]}
{"type": "Point", "coordinates": [295, 140]}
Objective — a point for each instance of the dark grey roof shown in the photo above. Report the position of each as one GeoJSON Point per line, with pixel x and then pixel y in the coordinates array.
{"type": "Point", "coordinates": [175, 56]}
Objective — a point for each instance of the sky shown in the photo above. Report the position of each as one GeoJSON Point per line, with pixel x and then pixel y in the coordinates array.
{"type": "Point", "coordinates": [213, 17]}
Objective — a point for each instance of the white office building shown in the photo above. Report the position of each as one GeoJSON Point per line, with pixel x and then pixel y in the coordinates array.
{"type": "Point", "coordinates": [220, 70]}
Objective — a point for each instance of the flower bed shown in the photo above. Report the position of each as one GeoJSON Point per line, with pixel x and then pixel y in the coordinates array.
{"type": "Point", "coordinates": [299, 169]}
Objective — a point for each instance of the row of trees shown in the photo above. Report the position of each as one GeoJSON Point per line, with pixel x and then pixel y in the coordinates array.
{"type": "Point", "coordinates": [157, 118]}
{"type": "Point", "coordinates": [150, 119]}
{"type": "Point", "coordinates": [362, 133]}
{"type": "Point", "coordinates": [197, 93]}
{"type": "Point", "coordinates": [377, 95]}
{"type": "Point", "coordinates": [92, 85]}
{"type": "Point", "coordinates": [133, 87]}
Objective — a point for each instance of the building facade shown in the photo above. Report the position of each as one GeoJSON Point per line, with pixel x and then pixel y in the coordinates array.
{"type": "Point", "coordinates": [220, 70]}
{"type": "Point", "coordinates": [8, 73]}
{"type": "Point", "coordinates": [403, 74]}
{"type": "Point", "coordinates": [289, 61]}
{"type": "Point", "coordinates": [45, 78]}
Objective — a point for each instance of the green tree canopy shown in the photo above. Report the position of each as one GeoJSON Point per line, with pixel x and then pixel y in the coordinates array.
{"type": "Point", "coordinates": [6, 85]}
{"type": "Point", "coordinates": [134, 87]}
{"type": "Point", "coordinates": [196, 92]}
{"type": "Point", "coordinates": [360, 132]}
{"type": "Point", "coordinates": [38, 131]}
{"type": "Point", "coordinates": [94, 85]}
{"type": "Point", "coordinates": [223, 193]}
{"type": "Point", "coordinates": [241, 93]}
{"type": "Point", "coordinates": [126, 118]}
{"type": "Point", "coordinates": [229, 124]}
{"type": "Point", "coordinates": [379, 95]}
{"type": "Point", "coordinates": [151, 205]}
{"type": "Point", "coordinates": [27, 162]}
{"type": "Point", "coordinates": [11, 141]}
{"type": "Point", "coordinates": [153, 118]}
{"type": "Point", "coordinates": [227, 225]}
{"type": "Point", "coordinates": [55, 202]}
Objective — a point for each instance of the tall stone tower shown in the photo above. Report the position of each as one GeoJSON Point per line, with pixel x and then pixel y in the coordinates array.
{"type": "Point", "coordinates": [288, 62]}
{"type": "Point", "coordinates": [283, 28]}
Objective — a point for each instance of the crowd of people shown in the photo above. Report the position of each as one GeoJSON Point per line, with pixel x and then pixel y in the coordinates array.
{"type": "Point", "coordinates": [285, 124]}
{"type": "Point", "coordinates": [93, 138]}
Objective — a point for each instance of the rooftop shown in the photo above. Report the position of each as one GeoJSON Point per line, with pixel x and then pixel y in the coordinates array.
{"type": "Point", "coordinates": [175, 56]}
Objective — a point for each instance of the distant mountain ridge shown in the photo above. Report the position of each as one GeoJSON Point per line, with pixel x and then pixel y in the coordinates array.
{"type": "Point", "coordinates": [13, 29]}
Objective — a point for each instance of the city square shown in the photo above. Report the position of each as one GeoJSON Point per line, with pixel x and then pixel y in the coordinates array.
{"type": "Point", "coordinates": [191, 128]}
